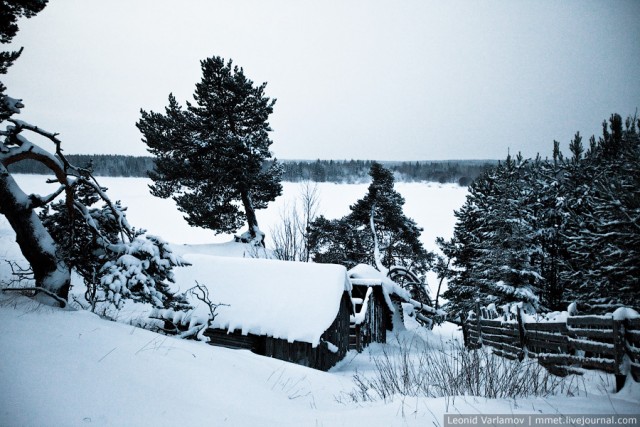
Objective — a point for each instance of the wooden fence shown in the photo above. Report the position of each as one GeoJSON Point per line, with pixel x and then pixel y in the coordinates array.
{"type": "Point", "coordinates": [582, 342]}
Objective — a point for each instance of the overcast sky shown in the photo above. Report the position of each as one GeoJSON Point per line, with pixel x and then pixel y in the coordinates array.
{"type": "Point", "coordinates": [364, 79]}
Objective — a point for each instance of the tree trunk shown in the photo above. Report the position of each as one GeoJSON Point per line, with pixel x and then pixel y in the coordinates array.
{"type": "Point", "coordinates": [376, 247]}
{"type": "Point", "coordinates": [50, 271]}
{"type": "Point", "coordinates": [253, 234]}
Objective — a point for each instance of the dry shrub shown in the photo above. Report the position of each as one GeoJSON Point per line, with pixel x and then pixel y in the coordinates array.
{"type": "Point", "coordinates": [416, 368]}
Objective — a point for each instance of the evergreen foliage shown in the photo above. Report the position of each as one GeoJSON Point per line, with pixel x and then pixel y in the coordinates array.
{"type": "Point", "coordinates": [112, 267]}
{"type": "Point", "coordinates": [349, 240]}
{"type": "Point", "coordinates": [495, 246]}
{"type": "Point", "coordinates": [602, 224]}
{"type": "Point", "coordinates": [142, 272]}
{"type": "Point", "coordinates": [211, 156]}
{"type": "Point", "coordinates": [10, 11]}
{"type": "Point", "coordinates": [555, 231]}
{"type": "Point", "coordinates": [461, 172]}
{"type": "Point", "coordinates": [95, 241]}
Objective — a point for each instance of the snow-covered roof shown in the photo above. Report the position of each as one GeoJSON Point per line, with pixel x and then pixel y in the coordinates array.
{"type": "Point", "coordinates": [366, 275]}
{"type": "Point", "coordinates": [363, 274]}
{"type": "Point", "coordinates": [290, 300]}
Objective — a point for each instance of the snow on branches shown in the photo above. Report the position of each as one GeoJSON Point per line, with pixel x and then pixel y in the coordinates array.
{"type": "Point", "coordinates": [86, 232]}
{"type": "Point", "coordinates": [97, 242]}
{"type": "Point", "coordinates": [141, 273]}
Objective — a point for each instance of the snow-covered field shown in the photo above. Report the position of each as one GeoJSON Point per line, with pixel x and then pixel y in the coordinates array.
{"type": "Point", "coordinates": [431, 205]}
{"type": "Point", "coordinates": [67, 368]}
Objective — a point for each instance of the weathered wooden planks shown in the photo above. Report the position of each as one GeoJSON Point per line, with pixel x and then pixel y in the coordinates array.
{"type": "Point", "coordinates": [589, 342]}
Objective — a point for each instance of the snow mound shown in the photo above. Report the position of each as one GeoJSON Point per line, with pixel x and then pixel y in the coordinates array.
{"type": "Point", "coordinates": [623, 313]}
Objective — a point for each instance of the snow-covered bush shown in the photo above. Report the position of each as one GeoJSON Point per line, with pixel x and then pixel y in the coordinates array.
{"type": "Point", "coordinates": [116, 261]}
{"type": "Point", "coordinates": [142, 272]}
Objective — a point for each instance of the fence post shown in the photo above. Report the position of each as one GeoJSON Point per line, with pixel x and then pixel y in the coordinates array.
{"type": "Point", "coordinates": [619, 352]}
{"type": "Point", "coordinates": [465, 331]}
{"type": "Point", "coordinates": [478, 324]}
{"type": "Point", "coordinates": [521, 335]}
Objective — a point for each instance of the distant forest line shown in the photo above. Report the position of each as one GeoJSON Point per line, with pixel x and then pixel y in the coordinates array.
{"type": "Point", "coordinates": [461, 172]}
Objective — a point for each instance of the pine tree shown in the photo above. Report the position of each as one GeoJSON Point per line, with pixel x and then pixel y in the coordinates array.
{"type": "Point", "coordinates": [211, 156]}
{"type": "Point", "coordinates": [113, 270]}
{"type": "Point", "coordinates": [351, 240]}
{"type": "Point", "coordinates": [602, 265]}
{"type": "Point", "coordinates": [495, 256]}
{"type": "Point", "coordinates": [396, 235]}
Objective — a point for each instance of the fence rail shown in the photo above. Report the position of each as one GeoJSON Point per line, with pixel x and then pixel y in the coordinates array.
{"type": "Point", "coordinates": [582, 342]}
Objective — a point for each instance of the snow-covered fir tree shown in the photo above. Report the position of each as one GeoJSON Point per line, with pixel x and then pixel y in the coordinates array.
{"type": "Point", "coordinates": [553, 232]}
{"type": "Point", "coordinates": [602, 204]}
{"type": "Point", "coordinates": [210, 156]}
{"type": "Point", "coordinates": [547, 225]}
{"type": "Point", "coordinates": [494, 251]}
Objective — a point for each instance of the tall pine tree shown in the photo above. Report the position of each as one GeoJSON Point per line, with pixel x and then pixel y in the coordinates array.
{"type": "Point", "coordinates": [211, 155]}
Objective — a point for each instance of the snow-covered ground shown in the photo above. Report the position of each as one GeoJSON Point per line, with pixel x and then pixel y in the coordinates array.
{"type": "Point", "coordinates": [62, 368]}
{"type": "Point", "coordinates": [67, 368]}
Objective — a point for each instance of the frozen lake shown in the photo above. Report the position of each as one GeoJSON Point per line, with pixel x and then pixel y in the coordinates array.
{"type": "Point", "coordinates": [431, 205]}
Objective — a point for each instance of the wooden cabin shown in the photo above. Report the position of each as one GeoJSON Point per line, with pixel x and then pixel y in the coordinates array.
{"type": "Point", "coordinates": [372, 316]}
{"type": "Point", "coordinates": [297, 312]}
{"type": "Point", "coordinates": [333, 345]}
{"type": "Point", "coordinates": [305, 313]}
{"type": "Point", "coordinates": [380, 303]}
{"type": "Point", "coordinates": [375, 301]}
